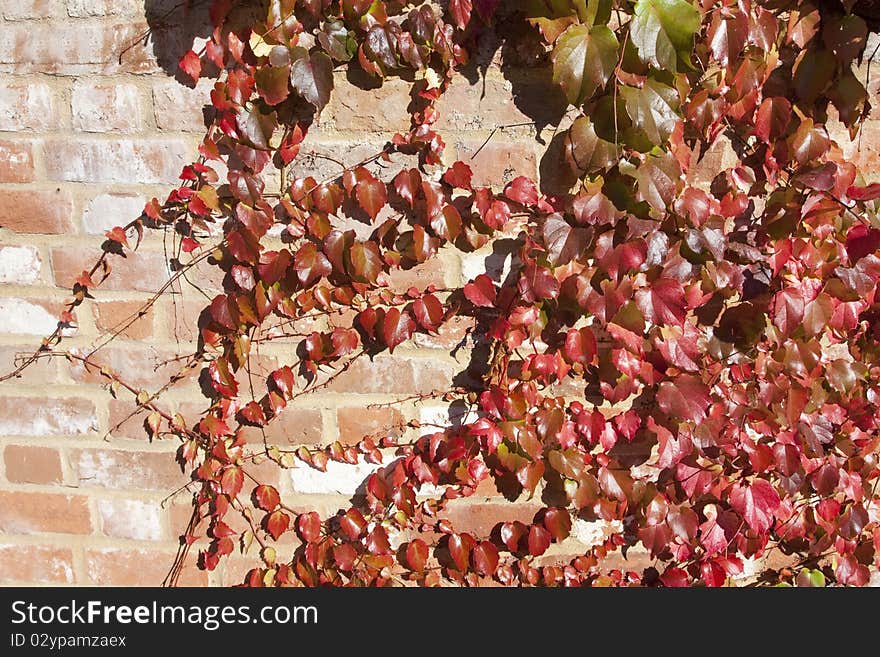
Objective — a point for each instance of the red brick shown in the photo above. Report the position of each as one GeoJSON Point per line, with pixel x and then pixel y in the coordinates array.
{"type": "Point", "coordinates": [479, 518]}
{"type": "Point", "coordinates": [125, 567]}
{"type": "Point", "coordinates": [106, 107]}
{"type": "Point", "coordinates": [16, 161]}
{"type": "Point", "coordinates": [35, 564]}
{"type": "Point", "coordinates": [111, 316]}
{"type": "Point", "coordinates": [453, 332]}
{"type": "Point", "coordinates": [28, 464]}
{"type": "Point", "coordinates": [394, 375]}
{"type": "Point", "coordinates": [27, 106]}
{"type": "Point", "coordinates": [20, 264]}
{"type": "Point", "coordinates": [124, 470]}
{"type": "Point", "coordinates": [131, 425]}
{"type": "Point", "coordinates": [37, 211]}
{"type": "Point", "coordinates": [355, 423]}
{"type": "Point", "coordinates": [293, 426]}
{"type": "Point", "coordinates": [130, 518]}
{"type": "Point", "coordinates": [430, 272]}
{"type": "Point", "coordinates": [483, 105]}
{"type": "Point", "coordinates": [142, 368]}
{"type": "Point", "coordinates": [95, 160]}
{"type": "Point", "coordinates": [181, 109]}
{"type": "Point", "coordinates": [74, 48]}
{"type": "Point", "coordinates": [41, 416]}
{"type": "Point", "coordinates": [499, 161]}
{"type": "Point", "coordinates": [31, 512]}
{"type": "Point", "coordinates": [42, 371]}
{"type": "Point", "coordinates": [141, 271]}
{"type": "Point", "coordinates": [371, 110]}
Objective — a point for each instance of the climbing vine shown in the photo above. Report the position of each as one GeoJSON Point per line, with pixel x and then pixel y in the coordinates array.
{"type": "Point", "coordinates": [694, 364]}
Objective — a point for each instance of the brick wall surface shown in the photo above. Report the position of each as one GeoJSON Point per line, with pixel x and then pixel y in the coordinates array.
{"type": "Point", "coordinates": [93, 123]}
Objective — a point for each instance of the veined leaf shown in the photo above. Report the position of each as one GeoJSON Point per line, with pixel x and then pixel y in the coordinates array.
{"type": "Point", "coordinates": [584, 59]}
{"type": "Point", "coordinates": [663, 32]}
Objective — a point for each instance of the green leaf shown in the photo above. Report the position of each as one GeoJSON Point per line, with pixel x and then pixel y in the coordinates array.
{"type": "Point", "coordinates": [653, 108]}
{"type": "Point", "coordinates": [663, 32]}
{"type": "Point", "coordinates": [584, 59]}
{"type": "Point", "coordinates": [337, 41]}
{"type": "Point", "coordinates": [312, 78]}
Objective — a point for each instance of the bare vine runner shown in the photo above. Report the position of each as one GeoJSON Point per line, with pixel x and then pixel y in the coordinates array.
{"type": "Point", "coordinates": [721, 338]}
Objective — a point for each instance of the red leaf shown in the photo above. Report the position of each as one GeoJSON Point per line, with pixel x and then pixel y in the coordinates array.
{"type": "Point", "coordinates": [861, 241]}
{"type": "Point", "coordinates": [428, 312]}
{"type": "Point", "coordinates": [558, 523]}
{"type": "Point", "coordinates": [397, 327]}
{"type": "Point", "coordinates": [539, 540]}
{"type": "Point", "coordinates": [869, 193]}
{"type": "Point", "coordinates": [407, 184]}
{"type": "Point", "coordinates": [788, 313]}
{"type": "Point", "coordinates": [117, 234]}
{"type": "Point", "coordinates": [253, 414]}
{"type": "Point", "coordinates": [377, 541]}
{"type": "Point", "coordinates": [460, 546]}
{"type": "Point", "coordinates": [512, 533]}
{"type": "Point", "coordinates": [353, 524]}
{"type": "Point", "coordinates": [485, 558]}
{"type": "Point", "coordinates": [267, 497]}
{"type": "Point", "coordinates": [461, 12]}
{"type": "Point", "coordinates": [772, 118]}
{"type": "Point", "coordinates": [277, 523]}
{"type": "Point", "coordinates": [231, 481]}
{"type": "Point", "coordinates": [686, 398]}
{"type": "Point", "coordinates": [345, 556]}
{"type": "Point", "coordinates": [522, 190]}
{"type": "Point", "coordinates": [580, 346]}
{"type": "Point", "coordinates": [191, 65]}
{"type": "Point", "coordinates": [481, 291]}
{"type": "Point", "coordinates": [283, 379]}
{"type": "Point", "coordinates": [459, 175]}
{"type": "Point", "coordinates": [756, 503]}
{"type": "Point", "coordinates": [663, 302]}
{"type": "Point", "coordinates": [309, 526]}
{"type": "Point", "coordinates": [417, 555]}
{"type": "Point", "coordinates": [370, 192]}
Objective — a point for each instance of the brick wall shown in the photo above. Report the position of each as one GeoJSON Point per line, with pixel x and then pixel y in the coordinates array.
{"type": "Point", "coordinates": [92, 124]}
{"type": "Point", "coordinates": [85, 139]}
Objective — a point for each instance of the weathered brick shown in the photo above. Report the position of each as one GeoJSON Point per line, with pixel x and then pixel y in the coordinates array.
{"type": "Point", "coordinates": [355, 423]}
{"type": "Point", "coordinates": [293, 426]}
{"type": "Point", "coordinates": [499, 161]}
{"type": "Point", "coordinates": [394, 375]}
{"type": "Point", "coordinates": [89, 8]}
{"type": "Point", "coordinates": [430, 272]}
{"type": "Point", "coordinates": [30, 106]}
{"type": "Point", "coordinates": [107, 211]}
{"type": "Point", "coordinates": [479, 518]}
{"type": "Point", "coordinates": [16, 161]}
{"type": "Point", "coordinates": [111, 316]}
{"type": "Point", "coordinates": [35, 564]}
{"type": "Point", "coordinates": [31, 512]}
{"type": "Point", "coordinates": [126, 470]}
{"type": "Point", "coordinates": [43, 371]}
{"type": "Point", "coordinates": [141, 271]}
{"type": "Point", "coordinates": [339, 479]}
{"type": "Point", "coordinates": [95, 160]}
{"type": "Point", "coordinates": [41, 416]}
{"type": "Point", "coordinates": [143, 368]}
{"type": "Point", "coordinates": [483, 105]}
{"type": "Point", "coordinates": [29, 317]}
{"type": "Point", "coordinates": [30, 464]}
{"type": "Point", "coordinates": [37, 211]}
{"type": "Point", "coordinates": [125, 567]}
{"type": "Point", "coordinates": [25, 9]}
{"type": "Point", "coordinates": [371, 110]}
{"type": "Point", "coordinates": [130, 518]}
{"type": "Point", "coordinates": [106, 108]}
{"type": "Point", "coordinates": [19, 265]}
{"type": "Point", "coordinates": [182, 109]}
{"type": "Point", "coordinates": [74, 48]}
